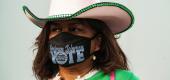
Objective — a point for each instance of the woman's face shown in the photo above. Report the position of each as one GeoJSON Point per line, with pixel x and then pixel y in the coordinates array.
{"type": "Point", "coordinates": [75, 27]}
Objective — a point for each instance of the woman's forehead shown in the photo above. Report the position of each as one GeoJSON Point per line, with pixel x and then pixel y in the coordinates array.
{"type": "Point", "coordinates": [86, 22]}
{"type": "Point", "coordinates": [72, 23]}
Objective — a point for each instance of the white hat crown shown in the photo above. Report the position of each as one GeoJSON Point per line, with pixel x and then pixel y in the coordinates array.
{"type": "Point", "coordinates": [58, 7]}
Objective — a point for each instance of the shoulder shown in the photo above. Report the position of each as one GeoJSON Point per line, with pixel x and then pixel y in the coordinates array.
{"type": "Point", "coordinates": [100, 75]}
{"type": "Point", "coordinates": [125, 75]}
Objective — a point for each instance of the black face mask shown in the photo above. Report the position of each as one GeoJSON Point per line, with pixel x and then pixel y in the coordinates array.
{"type": "Point", "coordinates": [67, 49]}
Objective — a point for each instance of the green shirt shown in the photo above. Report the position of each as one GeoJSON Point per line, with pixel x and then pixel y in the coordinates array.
{"type": "Point", "coordinates": [119, 75]}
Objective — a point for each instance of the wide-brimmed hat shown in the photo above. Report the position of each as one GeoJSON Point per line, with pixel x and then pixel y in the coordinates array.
{"type": "Point", "coordinates": [117, 17]}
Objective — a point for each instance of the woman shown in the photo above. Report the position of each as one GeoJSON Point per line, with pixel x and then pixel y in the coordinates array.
{"type": "Point", "coordinates": [82, 46]}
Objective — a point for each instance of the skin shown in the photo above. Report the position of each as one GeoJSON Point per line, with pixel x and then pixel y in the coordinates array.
{"type": "Point", "coordinates": [76, 28]}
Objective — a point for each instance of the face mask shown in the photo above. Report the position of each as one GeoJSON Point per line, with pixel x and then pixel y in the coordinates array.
{"type": "Point", "coordinates": [67, 49]}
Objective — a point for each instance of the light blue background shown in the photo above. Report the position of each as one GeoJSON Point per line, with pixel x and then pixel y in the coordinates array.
{"type": "Point", "coordinates": [147, 44]}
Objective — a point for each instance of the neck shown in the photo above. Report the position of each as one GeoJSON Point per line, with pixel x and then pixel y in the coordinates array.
{"type": "Point", "coordinates": [72, 72]}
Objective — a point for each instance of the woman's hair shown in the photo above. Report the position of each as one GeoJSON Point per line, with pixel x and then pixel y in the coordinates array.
{"type": "Point", "coordinates": [108, 58]}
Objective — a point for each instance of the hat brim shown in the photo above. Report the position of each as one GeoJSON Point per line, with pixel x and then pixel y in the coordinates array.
{"type": "Point", "coordinates": [117, 17]}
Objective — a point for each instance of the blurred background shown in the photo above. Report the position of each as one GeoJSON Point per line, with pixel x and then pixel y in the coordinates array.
{"type": "Point", "coordinates": [146, 44]}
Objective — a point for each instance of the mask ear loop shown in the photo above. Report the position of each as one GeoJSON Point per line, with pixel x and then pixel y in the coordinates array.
{"type": "Point", "coordinates": [93, 54]}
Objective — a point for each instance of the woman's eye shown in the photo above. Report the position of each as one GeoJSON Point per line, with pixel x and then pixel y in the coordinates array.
{"type": "Point", "coordinates": [56, 30]}
{"type": "Point", "coordinates": [73, 29]}
{"type": "Point", "coordinates": [76, 28]}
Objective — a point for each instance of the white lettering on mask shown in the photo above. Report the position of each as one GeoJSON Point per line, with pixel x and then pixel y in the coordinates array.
{"type": "Point", "coordinates": [61, 55]}
{"type": "Point", "coordinates": [75, 50]}
{"type": "Point", "coordinates": [80, 55]}
{"type": "Point", "coordinates": [58, 55]}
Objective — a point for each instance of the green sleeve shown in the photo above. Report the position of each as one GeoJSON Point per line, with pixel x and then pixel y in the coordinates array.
{"type": "Point", "coordinates": [119, 75]}
{"type": "Point", "coordinates": [100, 76]}
{"type": "Point", "coordinates": [125, 75]}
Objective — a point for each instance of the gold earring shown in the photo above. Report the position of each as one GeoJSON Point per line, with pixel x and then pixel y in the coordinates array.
{"type": "Point", "coordinates": [117, 36]}
{"type": "Point", "coordinates": [94, 57]}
